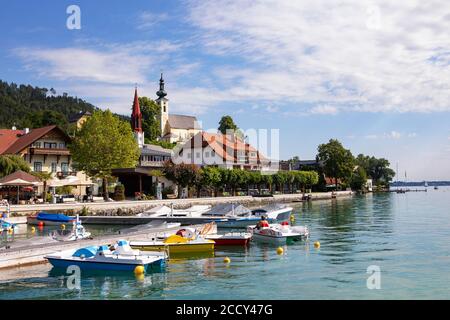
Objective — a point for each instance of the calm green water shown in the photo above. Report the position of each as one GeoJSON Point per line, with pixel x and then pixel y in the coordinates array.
{"type": "Point", "coordinates": [406, 235]}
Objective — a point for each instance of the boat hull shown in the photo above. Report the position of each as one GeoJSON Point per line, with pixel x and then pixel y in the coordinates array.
{"type": "Point", "coordinates": [273, 239]}
{"type": "Point", "coordinates": [231, 242]}
{"type": "Point", "coordinates": [34, 222]}
{"type": "Point", "coordinates": [96, 265]}
{"type": "Point", "coordinates": [174, 248]}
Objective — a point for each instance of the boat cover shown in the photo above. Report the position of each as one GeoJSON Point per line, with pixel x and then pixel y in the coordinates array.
{"type": "Point", "coordinates": [227, 209]}
{"type": "Point", "coordinates": [57, 217]}
{"type": "Point", "coordinates": [87, 252]}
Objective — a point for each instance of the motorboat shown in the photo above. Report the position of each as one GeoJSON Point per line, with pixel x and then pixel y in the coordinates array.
{"type": "Point", "coordinates": [121, 258]}
{"type": "Point", "coordinates": [186, 240]}
{"type": "Point", "coordinates": [238, 216]}
{"type": "Point", "coordinates": [50, 219]}
{"type": "Point", "coordinates": [228, 215]}
{"type": "Point", "coordinates": [165, 211]}
{"type": "Point", "coordinates": [78, 232]}
{"type": "Point", "coordinates": [230, 238]}
{"type": "Point", "coordinates": [278, 233]}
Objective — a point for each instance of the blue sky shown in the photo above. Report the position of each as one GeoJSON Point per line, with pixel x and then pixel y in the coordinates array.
{"type": "Point", "coordinates": [373, 74]}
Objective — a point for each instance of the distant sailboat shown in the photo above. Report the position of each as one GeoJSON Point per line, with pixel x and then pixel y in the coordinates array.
{"type": "Point", "coordinates": [425, 184]}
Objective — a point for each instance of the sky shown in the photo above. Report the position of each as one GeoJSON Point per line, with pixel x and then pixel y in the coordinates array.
{"type": "Point", "coordinates": [373, 74]}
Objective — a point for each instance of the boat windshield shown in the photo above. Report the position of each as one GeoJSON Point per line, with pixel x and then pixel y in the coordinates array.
{"type": "Point", "coordinates": [228, 209]}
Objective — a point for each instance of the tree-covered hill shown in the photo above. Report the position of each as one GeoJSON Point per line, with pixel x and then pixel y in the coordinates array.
{"type": "Point", "coordinates": [26, 106]}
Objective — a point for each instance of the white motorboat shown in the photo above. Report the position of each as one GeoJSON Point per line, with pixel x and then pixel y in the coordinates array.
{"type": "Point", "coordinates": [122, 258]}
{"type": "Point", "coordinates": [238, 216]}
{"type": "Point", "coordinates": [279, 233]}
{"type": "Point", "coordinates": [165, 211]}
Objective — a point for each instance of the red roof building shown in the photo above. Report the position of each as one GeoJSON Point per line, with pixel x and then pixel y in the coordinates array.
{"type": "Point", "coordinates": [221, 150]}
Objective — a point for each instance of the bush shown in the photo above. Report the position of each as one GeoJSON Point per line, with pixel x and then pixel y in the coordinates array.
{"type": "Point", "coordinates": [119, 193]}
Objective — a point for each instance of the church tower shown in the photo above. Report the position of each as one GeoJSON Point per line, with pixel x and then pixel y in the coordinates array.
{"type": "Point", "coordinates": [136, 121]}
{"type": "Point", "coordinates": [163, 103]}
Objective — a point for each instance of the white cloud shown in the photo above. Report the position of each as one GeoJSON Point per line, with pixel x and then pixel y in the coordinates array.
{"type": "Point", "coordinates": [271, 109]}
{"type": "Point", "coordinates": [147, 20]}
{"type": "Point", "coordinates": [324, 109]}
{"type": "Point", "coordinates": [394, 135]}
{"type": "Point", "coordinates": [324, 53]}
{"type": "Point", "coordinates": [107, 66]}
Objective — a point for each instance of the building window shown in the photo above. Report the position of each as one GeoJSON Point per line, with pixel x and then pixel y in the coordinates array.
{"type": "Point", "coordinates": [207, 154]}
{"type": "Point", "coordinates": [64, 167]}
{"type": "Point", "coordinates": [62, 145]}
{"type": "Point", "coordinates": [36, 145]}
{"type": "Point", "coordinates": [38, 167]}
{"type": "Point", "coordinates": [188, 154]}
{"type": "Point", "coordinates": [197, 154]}
{"type": "Point", "coordinates": [213, 153]}
{"type": "Point", "coordinates": [54, 167]}
{"type": "Point", "coordinates": [50, 145]}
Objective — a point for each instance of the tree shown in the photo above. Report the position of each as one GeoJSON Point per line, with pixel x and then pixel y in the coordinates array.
{"type": "Point", "coordinates": [150, 118]}
{"type": "Point", "coordinates": [11, 163]}
{"type": "Point", "coordinates": [359, 179]}
{"type": "Point", "coordinates": [44, 176]}
{"type": "Point", "coordinates": [104, 143]}
{"type": "Point", "coordinates": [227, 123]}
{"type": "Point", "coordinates": [338, 162]}
{"type": "Point", "coordinates": [280, 179]}
{"type": "Point", "coordinates": [211, 178]}
{"type": "Point", "coordinates": [185, 175]}
{"type": "Point", "coordinates": [376, 168]}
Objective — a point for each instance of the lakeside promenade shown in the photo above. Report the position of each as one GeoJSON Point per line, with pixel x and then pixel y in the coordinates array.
{"type": "Point", "coordinates": [130, 207]}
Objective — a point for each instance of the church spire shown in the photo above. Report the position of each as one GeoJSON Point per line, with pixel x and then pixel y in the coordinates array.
{"type": "Point", "coordinates": [161, 93]}
{"type": "Point", "coordinates": [136, 115]}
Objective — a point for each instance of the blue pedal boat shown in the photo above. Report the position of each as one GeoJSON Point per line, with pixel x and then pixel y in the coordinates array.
{"type": "Point", "coordinates": [122, 258]}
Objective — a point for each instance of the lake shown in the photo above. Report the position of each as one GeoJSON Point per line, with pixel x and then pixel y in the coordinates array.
{"type": "Point", "coordinates": [404, 236]}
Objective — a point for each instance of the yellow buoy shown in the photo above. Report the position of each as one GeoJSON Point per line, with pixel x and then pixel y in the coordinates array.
{"type": "Point", "coordinates": [317, 244]}
{"type": "Point", "coordinates": [63, 227]}
{"type": "Point", "coordinates": [10, 230]}
{"type": "Point", "coordinates": [226, 260]}
{"type": "Point", "coordinates": [139, 270]}
{"type": "Point", "coordinates": [280, 250]}
{"type": "Point", "coordinates": [33, 229]}
{"type": "Point", "coordinates": [139, 277]}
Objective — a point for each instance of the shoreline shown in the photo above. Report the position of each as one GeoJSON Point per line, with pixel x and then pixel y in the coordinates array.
{"type": "Point", "coordinates": [132, 207]}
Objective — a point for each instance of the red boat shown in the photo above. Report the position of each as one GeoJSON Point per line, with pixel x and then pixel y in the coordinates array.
{"type": "Point", "coordinates": [230, 239]}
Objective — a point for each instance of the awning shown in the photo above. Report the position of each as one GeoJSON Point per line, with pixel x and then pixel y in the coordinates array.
{"type": "Point", "coordinates": [19, 179]}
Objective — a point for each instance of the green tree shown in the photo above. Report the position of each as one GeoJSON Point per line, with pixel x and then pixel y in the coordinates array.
{"type": "Point", "coordinates": [11, 163]}
{"type": "Point", "coordinates": [104, 143]}
{"type": "Point", "coordinates": [376, 168]}
{"type": "Point", "coordinates": [45, 177]}
{"type": "Point", "coordinates": [358, 179]}
{"type": "Point", "coordinates": [280, 178]}
{"type": "Point", "coordinates": [184, 175]}
{"type": "Point", "coordinates": [150, 118]}
{"type": "Point", "coordinates": [211, 178]}
{"type": "Point", "coordinates": [338, 161]}
{"type": "Point", "coordinates": [227, 123]}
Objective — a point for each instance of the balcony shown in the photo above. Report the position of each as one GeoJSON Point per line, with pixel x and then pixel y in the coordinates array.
{"type": "Point", "coordinates": [50, 151]}
{"type": "Point", "coordinates": [65, 174]}
{"type": "Point", "coordinates": [151, 164]}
